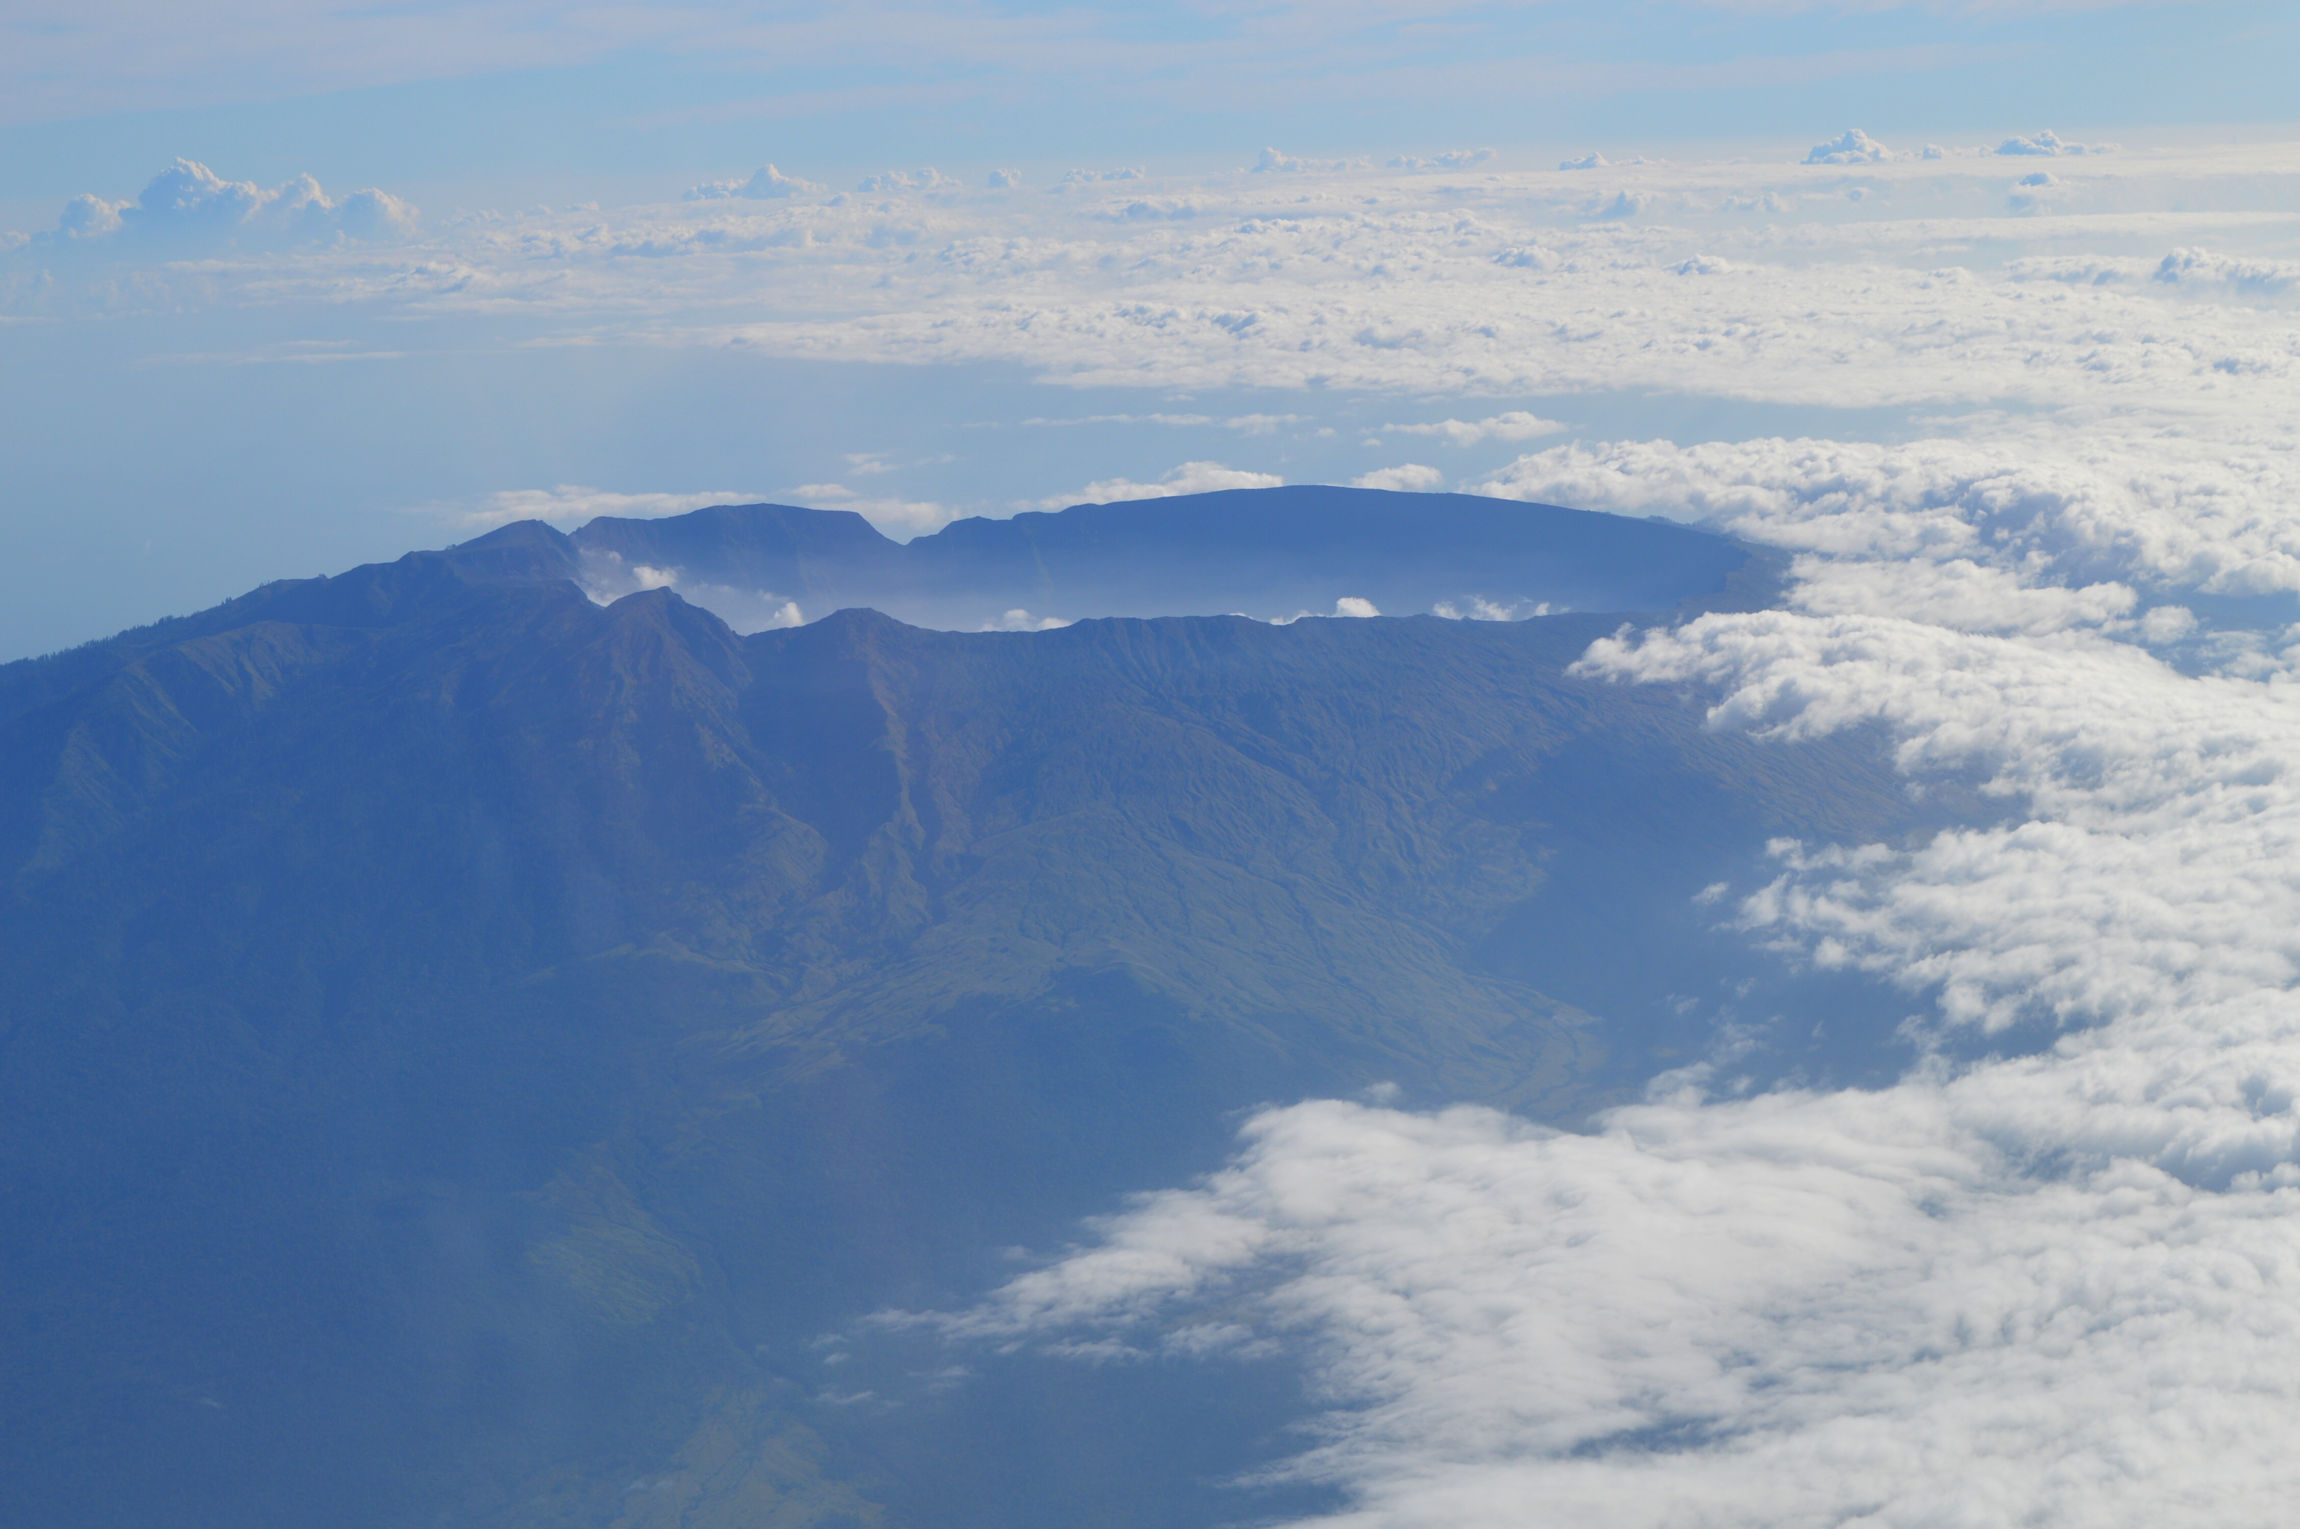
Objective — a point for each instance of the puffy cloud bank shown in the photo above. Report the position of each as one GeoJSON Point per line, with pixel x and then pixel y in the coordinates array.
{"type": "Point", "coordinates": [2051, 1275]}
{"type": "Point", "coordinates": [1796, 1310]}
{"type": "Point", "coordinates": [1853, 147]}
{"type": "Point", "coordinates": [188, 203]}
{"type": "Point", "coordinates": [2060, 1287]}
{"type": "Point", "coordinates": [1755, 283]}
{"type": "Point", "coordinates": [1516, 425]}
{"type": "Point", "coordinates": [2047, 511]}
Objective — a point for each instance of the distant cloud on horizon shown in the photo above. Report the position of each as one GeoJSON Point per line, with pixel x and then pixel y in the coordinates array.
{"type": "Point", "coordinates": [2049, 145]}
{"type": "Point", "coordinates": [1271, 162]}
{"type": "Point", "coordinates": [763, 184]}
{"type": "Point", "coordinates": [1852, 147]}
{"type": "Point", "coordinates": [1451, 159]}
{"type": "Point", "coordinates": [189, 204]}
{"type": "Point", "coordinates": [928, 179]}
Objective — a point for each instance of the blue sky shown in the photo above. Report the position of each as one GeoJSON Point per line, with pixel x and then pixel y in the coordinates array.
{"type": "Point", "coordinates": [270, 385]}
{"type": "Point", "coordinates": [506, 96]}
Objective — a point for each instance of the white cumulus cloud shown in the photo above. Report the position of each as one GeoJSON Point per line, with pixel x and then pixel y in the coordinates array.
{"type": "Point", "coordinates": [1189, 478]}
{"type": "Point", "coordinates": [1407, 477]}
{"type": "Point", "coordinates": [2050, 145]}
{"type": "Point", "coordinates": [763, 184]}
{"type": "Point", "coordinates": [1852, 147]}
{"type": "Point", "coordinates": [188, 204]}
{"type": "Point", "coordinates": [928, 179]}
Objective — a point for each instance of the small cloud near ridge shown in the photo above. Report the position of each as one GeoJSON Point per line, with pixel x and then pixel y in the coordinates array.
{"type": "Point", "coordinates": [1189, 478]}
{"type": "Point", "coordinates": [898, 518]}
{"type": "Point", "coordinates": [571, 504]}
{"type": "Point", "coordinates": [605, 577]}
{"type": "Point", "coordinates": [1023, 621]}
{"type": "Point", "coordinates": [1406, 478]}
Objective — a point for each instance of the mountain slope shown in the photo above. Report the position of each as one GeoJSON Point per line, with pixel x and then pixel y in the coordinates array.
{"type": "Point", "coordinates": [465, 1046]}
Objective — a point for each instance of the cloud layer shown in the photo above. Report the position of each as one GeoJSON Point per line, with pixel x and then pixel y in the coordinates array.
{"type": "Point", "coordinates": [2058, 1286]}
{"type": "Point", "coordinates": [1753, 283]}
{"type": "Point", "coordinates": [2051, 1275]}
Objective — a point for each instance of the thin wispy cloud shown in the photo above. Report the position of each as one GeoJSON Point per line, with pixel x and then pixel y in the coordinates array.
{"type": "Point", "coordinates": [568, 505]}
{"type": "Point", "coordinates": [1406, 477]}
{"type": "Point", "coordinates": [1189, 478]}
{"type": "Point", "coordinates": [1516, 425]}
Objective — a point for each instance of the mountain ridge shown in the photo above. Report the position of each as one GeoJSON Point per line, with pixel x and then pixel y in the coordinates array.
{"type": "Point", "coordinates": [486, 1042]}
{"type": "Point", "coordinates": [1275, 552]}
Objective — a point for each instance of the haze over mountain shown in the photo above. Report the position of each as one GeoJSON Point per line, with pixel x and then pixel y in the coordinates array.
{"type": "Point", "coordinates": [1269, 553]}
{"type": "Point", "coordinates": [477, 1055]}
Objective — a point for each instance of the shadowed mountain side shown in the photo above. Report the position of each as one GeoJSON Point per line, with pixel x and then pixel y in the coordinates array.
{"type": "Point", "coordinates": [1261, 552]}
{"type": "Point", "coordinates": [460, 1045]}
